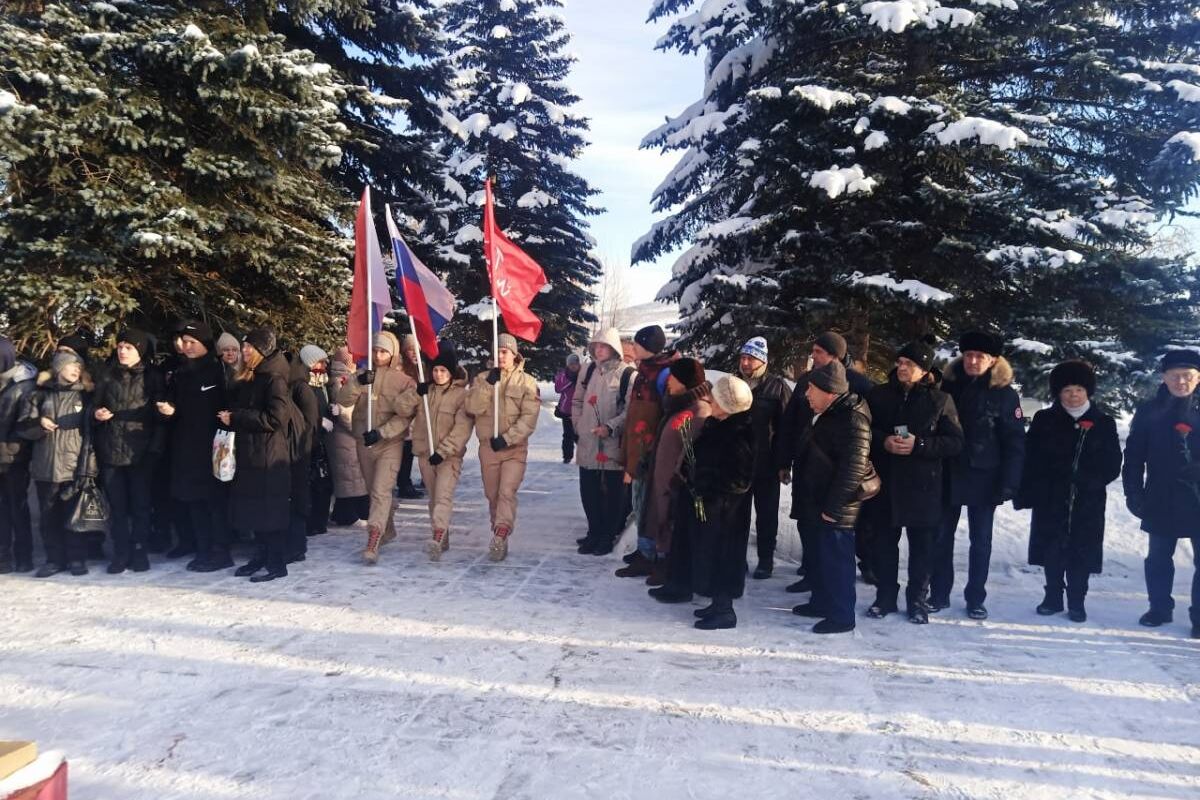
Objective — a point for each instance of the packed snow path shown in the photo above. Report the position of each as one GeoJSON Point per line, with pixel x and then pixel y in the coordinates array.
{"type": "Point", "coordinates": [547, 677]}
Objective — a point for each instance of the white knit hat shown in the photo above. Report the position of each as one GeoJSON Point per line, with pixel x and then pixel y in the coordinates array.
{"type": "Point", "coordinates": [733, 394]}
{"type": "Point", "coordinates": [227, 339]}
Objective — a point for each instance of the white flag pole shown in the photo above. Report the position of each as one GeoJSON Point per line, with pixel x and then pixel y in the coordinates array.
{"type": "Point", "coordinates": [496, 361]}
{"type": "Point", "coordinates": [370, 322]}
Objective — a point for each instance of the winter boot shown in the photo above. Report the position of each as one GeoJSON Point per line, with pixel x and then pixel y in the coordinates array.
{"type": "Point", "coordinates": [138, 560]}
{"type": "Point", "coordinates": [216, 560]}
{"type": "Point", "coordinates": [977, 612]}
{"type": "Point", "coordinates": [1052, 603]}
{"type": "Point", "coordinates": [880, 609]}
{"type": "Point", "coordinates": [439, 544]}
{"type": "Point", "coordinates": [808, 610]}
{"type": "Point", "coordinates": [270, 575]}
{"type": "Point", "coordinates": [937, 604]}
{"type": "Point", "coordinates": [917, 615]}
{"type": "Point", "coordinates": [658, 572]}
{"type": "Point", "coordinates": [78, 568]}
{"type": "Point", "coordinates": [800, 586]}
{"type": "Point", "coordinates": [1077, 613]}
{"type": "Point", "coordinates": [48, 569]}
{"type": "Point", "coordinates": [829, 626]}
{"type": "Point", "coordinates": [116, 566]}
{"type": "Point", "coordinates": [374, 540]}
{"type": "Point", "coordinates": [722, 618]}
{"type": "Point", "coordinates": [707, 611]}
{"type": "Point", "coordinates": [498, 549]}
{"type": "Point", "coordinates": [252, 566]}
{"type": "Point", "coordinates": [640, 567]}
{"type": "Point", "coordinates": [671, 594]}
{"type": "Point", "coordinates": [764, 570]}
{"type": "Point", "coordinates": [1154, 618]}
{"type": "Point", "coordinates": [628, 558]}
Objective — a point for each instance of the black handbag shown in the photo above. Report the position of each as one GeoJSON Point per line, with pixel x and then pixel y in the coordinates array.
{"type": "Point", "coordinates": [90, 511]}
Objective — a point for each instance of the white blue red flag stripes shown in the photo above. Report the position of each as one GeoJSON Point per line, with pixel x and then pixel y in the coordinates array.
{"type": "Point", "coordinates": [370, 299]}
{"type": "Point", "coordinates": [427, 300]}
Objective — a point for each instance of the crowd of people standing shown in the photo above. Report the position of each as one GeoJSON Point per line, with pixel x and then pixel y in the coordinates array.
{"type": "Point", "coordinates": [692, 463]}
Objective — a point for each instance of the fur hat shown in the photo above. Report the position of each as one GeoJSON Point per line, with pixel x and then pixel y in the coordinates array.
{"type": "Point", "coordinates": [261, 339]}
{"type": "Point", "coordinates": [981, 342]}
{"type": "Point", "coordinates": [139, 339]}
{"type": "Point", "coordinates": [920, 352]}
{"type": "Point", "coordinates": [830, 378]}
{"type": "Point", "coordinates": [755, 348]}
{"type": "Point", "coordinates": [1174, 359]}
{"type": "Point", "coordinates": [688, 371]}
{"type": "Point", "coordinates": [832, 343]}
{"type": "Point", "coordinates": [447, 357]}
{"type": "Point", "coordinates": [1072, 373]}
{"type": "Point", "coordinates": [733, 394]}
{"type": "Point", "coordinates": [311, 355]}
{"type": "Point", "coordinates": [652, 337]}
{"type": "Point", "coordinates": [509, 342]}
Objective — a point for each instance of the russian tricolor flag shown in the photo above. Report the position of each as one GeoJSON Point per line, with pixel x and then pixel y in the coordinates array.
{"type": "Point", "coordinates": [427, 300]}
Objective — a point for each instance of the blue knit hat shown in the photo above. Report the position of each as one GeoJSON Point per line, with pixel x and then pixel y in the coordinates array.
{"type": "Point", "coordinates": [756, 348]}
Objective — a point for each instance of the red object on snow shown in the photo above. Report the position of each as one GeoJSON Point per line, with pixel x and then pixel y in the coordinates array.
{"type": "Point", "coordinates": [516, 278]}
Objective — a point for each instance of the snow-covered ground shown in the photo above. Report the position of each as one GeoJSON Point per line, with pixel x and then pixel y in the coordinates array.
{"type": "Point", "coordinates": [547, 677]}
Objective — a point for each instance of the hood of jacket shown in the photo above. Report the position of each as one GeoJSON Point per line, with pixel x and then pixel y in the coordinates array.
{"type": "Point", "coordinates": [274, 364]}
{"type": "Point", "coordinates": [298, 371]}
{"type": "Point", "coordinates": [608, 336]}
{"type": "Point", "coordinates": [1000, 376]}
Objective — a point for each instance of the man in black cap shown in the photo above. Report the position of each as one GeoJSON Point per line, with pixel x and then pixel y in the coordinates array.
{"type": "Point", "coordinates": [196, 394]}
{"type": "Point", "coordinates": [829, 347]}
{"type": "Point", "coordinates": [1162, 482]}
{"type": "Point", "coordinates": [832, 459]}
{"type": "Point", "coordinates": [914, 429]}
{"type": "Point", "coordinates": [987, 473]}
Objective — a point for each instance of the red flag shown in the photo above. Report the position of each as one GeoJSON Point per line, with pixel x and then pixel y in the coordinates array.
{"type": "Point", "coordinates": [516, 278]}
{"type": "Point", "coordinates": [370, 298]}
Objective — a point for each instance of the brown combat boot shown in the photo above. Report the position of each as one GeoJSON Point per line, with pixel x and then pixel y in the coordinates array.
{"type": "Point", "coordinates": [498, 550]}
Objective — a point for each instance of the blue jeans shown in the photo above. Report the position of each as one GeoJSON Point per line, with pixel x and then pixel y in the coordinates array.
{"type": "Point", "coordinates": [1160, 575]}
{"type": "Point", "coordinates": [833, 587]}
{"type": "Point", "coordinates": [979, 559]}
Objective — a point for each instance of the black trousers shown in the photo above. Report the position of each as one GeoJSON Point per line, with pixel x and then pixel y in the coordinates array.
{"type": "Point", "coordinates": [404, 479]}
{"type": "Point", "coordinates": [208, 523]}
{"type": "Point", "coordinates": [62, 546]}
{"type": "Point", "coordinates": [16, 529]}
{"type": "Point", "coordinates": [885, 561]}
{"type": "Point", "coordinates": [764, 495]}
{"type": "Point", "coordinates": [272, 549]}
{"type": "Point", "coordinates": [296, 543]}
{"type": "Point", "coordinates": [568, 440]}
{"type": "Point", "coordinates": [1062, 574]}
{"type": "Point", "coordinates": [680, 558]}
{"type": "Point", "coordinates": [603, 494]}
{"type": "Point", "coordinates": [128, 492]}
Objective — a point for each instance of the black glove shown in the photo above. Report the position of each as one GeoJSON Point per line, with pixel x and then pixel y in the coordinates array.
{"type": "Point", "coordinates": [366, 377]}
{"type": "Point", "coordinates": [436, 459]}
{"type": "Point", "coordinates": [498, 443]}
{"type": "Point", "coordinates": [371, 438]}
{"type": "Point", "coordinates": [493, 376]}
{"type": "Point", "coordinates": [423, 389]}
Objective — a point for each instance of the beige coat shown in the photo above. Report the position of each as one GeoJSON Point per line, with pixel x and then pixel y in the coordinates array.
{"type": "Point", "coordinates": [387, 390]}
{"type": "Point", "coordinates": [520, 406]}
{"type": "Point", "coordinates": [451, 425]}
{"type": "Point", "coordinates": [600, 403]}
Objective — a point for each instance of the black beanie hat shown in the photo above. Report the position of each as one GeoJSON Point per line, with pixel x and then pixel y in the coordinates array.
{"type": "Point", "coordinates": [920, 352]}
{"type": "Point", "coordinates": [447, 357]}
{"type": "Point", "coordinates": [653, 338]}
{"type": "Point", "coordinates": [1072, 373]}
{"type": "Point", "coordinates": [688, 371]}
{"type": "Point", "coordinates": [197, 330]}
{"type": "Point", "coordinates": [832, 343]}
{"type": "Point", "coordinates": [261, 339]}
{"type": "Point", "coordinates": [1173, 359]}
{"type": "Point", "coordinates": [139, 339]}
{"type": "Point", "coordinates": [830, 378]}
{"type": "Point", "coordinates": [981, 342]}
{"type": "Point", "coordinates": [76, 343]}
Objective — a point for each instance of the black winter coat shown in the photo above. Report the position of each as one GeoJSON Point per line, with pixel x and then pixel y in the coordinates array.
{"type": "Point", "coordinates": [16, 386]}
{"type": "Point", "coordinates": [988, 471]}
{"type": "Point", "coordinates": [197, 390]}
{"type": "Point", "coordinates": [136, 430]}
{"type": "Point", "coordinates": [797, 416]}
{"type": "Point", "coordinates": [1160, 488]}
{"type": "Point", "coordinates": [771, 398]}
{"type": "Point", "coordinates": [1059, 454]}
{"type": "Point", "coordinates": [913, 485]}
{"type": "Point", "coordinates": [723, 476]}
{"type": "Point", "coordinates": [305, 399]}
{"type": "Point", "coordinates": [831, 464]}
{"type": "Point", "coordinates": [259, 497]}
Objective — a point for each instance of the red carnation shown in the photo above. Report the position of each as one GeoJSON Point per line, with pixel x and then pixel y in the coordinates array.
{"type": "Point", "coordinates": [1183, 428]}
{"type": "Point", "coordinates": [1086, 424]}
{"type": "Point", "coordinates": [601, 458]}
{"type": "Point", "coordinates": [640, 427]}
{"type": "Point", "coordinates": [593, 400]}
{"type": "Point", "coordinates": [681, 420]}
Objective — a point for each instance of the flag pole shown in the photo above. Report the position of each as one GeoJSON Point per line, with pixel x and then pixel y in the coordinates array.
{"type": "Point", "coordinates": [496, 361]}
{"type": "Point", "coordinates": [370, 323]}
{"type": "Point", "coordinates": [412, 325]}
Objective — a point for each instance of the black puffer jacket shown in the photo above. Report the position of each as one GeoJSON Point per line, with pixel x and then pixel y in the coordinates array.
{"type": "Point", "coordinates": [831, 463]}
{"type": "Point", "coordinates": [136, 430]}
{"type": "Point", "coordinates": [1160, 487]}
{"type": "Point", "coordinates": [197, 390]}
{"type": "Point", "coordinates": [797, 416]}
{"type": "Point", "coordinates": [771, 398]}
{"type": "Point", "coordinates": [988, 470]}
{"type": "Point", "coordinates": [16, 386]}
{"type": "Point", "coordinates": [304, 398]}
{"type": "Point", "coordinates": [259, 498]}
{"type": "Point", "coordinates": [913, 484]}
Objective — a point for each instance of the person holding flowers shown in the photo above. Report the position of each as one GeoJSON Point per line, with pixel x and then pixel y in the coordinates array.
{"type": "Point", "coordinates": [598, 415]}
{"type": "Point", "coordinates": [1162, 482]}
{"type": "Point", "coordinates": [1072, 453]}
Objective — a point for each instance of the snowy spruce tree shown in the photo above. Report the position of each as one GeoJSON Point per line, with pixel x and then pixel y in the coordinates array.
{"type": "Point", "coordinates": [893, 169]}
{"type": "Point", "coordinates": [515, 123]}
{"type": "Point", "coordinates": [164, 160]}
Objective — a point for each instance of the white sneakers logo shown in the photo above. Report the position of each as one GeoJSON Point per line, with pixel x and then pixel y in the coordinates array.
{"type": "Point", "coordinates": [206, 388]}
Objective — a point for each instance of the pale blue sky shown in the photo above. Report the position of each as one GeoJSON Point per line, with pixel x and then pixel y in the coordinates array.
{"type": "Point", "coordinates": [626, 88]}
